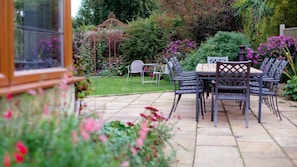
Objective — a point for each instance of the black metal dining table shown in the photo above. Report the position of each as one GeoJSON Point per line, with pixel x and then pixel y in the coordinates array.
{"type": "Point", "coordinates": [206, 71]}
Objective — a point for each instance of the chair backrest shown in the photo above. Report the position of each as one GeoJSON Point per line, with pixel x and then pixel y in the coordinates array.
{"type": "Point", "coordinates": [264, 63]}
{"type": "Point", "coordinates": [176, 65]}
{"type": "Point", "coordinates": [233, 75]}
{"type": "Point", "coordinates": [213, 60]}
{"type": "Point", "coordinates": [267, 66]}
{"type": "Point", "coordinates": [273, 68]}
{"type": "Point", "coordinates": [136, 66]}
{"type": "Point", "coordinates": [280, 69]}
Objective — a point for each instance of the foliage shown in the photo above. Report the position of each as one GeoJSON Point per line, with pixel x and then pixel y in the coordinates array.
{"type": "Point", "coordinates": [36, 133]}
{"type": "Point", "coordinates": [83, 65]}
{"type": "Point", "coordinates": [222, 44]}
{"type": "Point", "coordinates": [276, 46]}
{"type": "Point", "coordinates": [180, 47]}
{"type": "Point", "coordinates": [251, 13]}
{"type": "Point", "coordinates": [292, 69]}
{"type": "Point", "coordinates": [147, 37]}
{"type": "Point", "coordinates": [260, 19]}
{"type": "Point", "coordinates": [291, 88]}
{"type": "Point", "coordinates": [94, 12]}
{"type": "Point", "coordinates": [203, 18]}
{"type": "Point", "coordinates": [83, 88]}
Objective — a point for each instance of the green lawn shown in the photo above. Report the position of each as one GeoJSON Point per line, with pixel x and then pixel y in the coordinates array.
{"type": "Point", "coordinates": [117, 86]}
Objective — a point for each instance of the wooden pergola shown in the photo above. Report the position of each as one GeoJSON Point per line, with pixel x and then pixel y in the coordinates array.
{"type": "Point", "coordinates": [112, 30]}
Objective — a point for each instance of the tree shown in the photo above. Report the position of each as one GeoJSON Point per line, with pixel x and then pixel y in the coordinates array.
{"type": "Point", "coordinates": [202, 18]}
{"type": "Point", "coordinates": [94, 12]}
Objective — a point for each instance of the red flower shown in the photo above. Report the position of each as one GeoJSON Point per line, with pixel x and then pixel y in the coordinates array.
{"type": "Point", "coordinates": [19, 158]}
{"type": "Point", "coordinates": [9, 96]}
{"type": "Point", "coordinates": [151, 108]}
{"type": "Point", "coordinates": [130, 124]}
{"type": "Point", "coordinates": [21, 148]}
{"type": "Point", "coordinates": [7, 114]}
{"type": "Point", "coordinates": [6, 160]}
{"type": "Point", "coordinates": [143, 115]}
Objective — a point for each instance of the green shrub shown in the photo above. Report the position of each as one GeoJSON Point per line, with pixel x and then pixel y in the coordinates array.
{"type": "Point", "coordinates": [146, 38]}
{"type": "Point", "coordinates": [291, 88]}
{"type": "Point", "coordinates": [222, 44]}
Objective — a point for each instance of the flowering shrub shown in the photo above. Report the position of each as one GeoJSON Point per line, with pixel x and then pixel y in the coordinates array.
{"type": "Point", "coordinates": [275, 47]}
{"type": "Point", "coordinates": [43, 136]}
{"type": "Point", "coordinates": [49, 49]}
{"type": "Point", "coordinates": [180, 48]}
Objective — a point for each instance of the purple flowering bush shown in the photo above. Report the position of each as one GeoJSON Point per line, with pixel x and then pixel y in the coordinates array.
{"type": "Point", "coordinates": [275, 47]}
{"type": "Point", "coordinates": [180, 48]}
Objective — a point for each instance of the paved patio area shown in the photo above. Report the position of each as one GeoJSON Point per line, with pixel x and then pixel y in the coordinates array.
{"type": "Point", "coordinates": [272, 143]}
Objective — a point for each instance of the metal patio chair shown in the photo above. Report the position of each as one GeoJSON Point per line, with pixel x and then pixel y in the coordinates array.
{"type": "Point", "coordinates": [270, 89]}
{"type": "Point", "coordinates": [135, 68]}
{"type": "Point", "coordinates": [213, 60]}
{"type": "Point", "coordinates": [184, 84]}
{"type": "Point", "coordinates": [231, 83]}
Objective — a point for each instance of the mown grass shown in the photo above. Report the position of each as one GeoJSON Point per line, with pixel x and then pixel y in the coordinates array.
{"type": "Point", "coordinates": [117, 86]}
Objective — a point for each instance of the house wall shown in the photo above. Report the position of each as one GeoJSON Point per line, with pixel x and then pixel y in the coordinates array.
{"type": "Point", "coordinates": [56, 98]}
{"type": "Point", "coordinates": [288, 31]}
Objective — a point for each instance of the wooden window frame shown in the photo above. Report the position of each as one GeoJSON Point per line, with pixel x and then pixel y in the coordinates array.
{"type": "Point", "coordinates": [19, 81]}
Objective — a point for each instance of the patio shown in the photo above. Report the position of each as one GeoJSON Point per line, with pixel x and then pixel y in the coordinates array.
{"type": "Point", "coordinates": [270, 143]}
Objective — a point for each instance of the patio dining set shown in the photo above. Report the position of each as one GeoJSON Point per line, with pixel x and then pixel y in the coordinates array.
{"type": "Point", "coordinates": [223, 79]}
{"type": "Point", "coordinates": [228, 80]}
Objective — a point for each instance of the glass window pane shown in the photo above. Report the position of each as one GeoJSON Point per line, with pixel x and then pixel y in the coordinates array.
{"type": "Point", "coordinates": [38, 34]}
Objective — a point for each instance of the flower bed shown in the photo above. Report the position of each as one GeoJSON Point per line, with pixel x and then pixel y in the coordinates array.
{"type": "Point", "coordinates": [42, 135]}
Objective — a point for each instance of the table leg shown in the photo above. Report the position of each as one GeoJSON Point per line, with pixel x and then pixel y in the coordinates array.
{"type": "Point", "coordinates": [260, 99]}
{"type": "Point", "coordinates": [197, 98]}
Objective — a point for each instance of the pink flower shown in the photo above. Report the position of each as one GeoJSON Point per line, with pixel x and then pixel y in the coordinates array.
{"type": "Point", "coordinates": [21, 148]}
{"type": "Point", "coordinates": [103, 138]}
{"type": "Point", "coordinates": [143, 115]}
{"type": "Point", "coordinates": [40, 91]}
{"type": "Point", "coordinates": [6, 160]}
{"type": "Point", "coordinates": [31, 92]}
{"type": "Point", "coordinates": [151, 108]}
{"type": "Point", "coordinates": [9, 96]}
{"type": "Point", "coordinates": [179, 117]}
{"type": "Point", "coordinates": [45, 109]}
{"type": "Point", "coordinates": [19, 158]}
{"type": "Point", "coordinates": [130, 124]}
{"type": "Point", "coordinates": [125, 164]}
{"type": "Point", "coordinates": [7, 114]}
{"type": "Point", "coordinates": [91, 125]}
{"type": "Point", "coordinates": [139, 142]}
{"type": "Point", "coordinates": [84, 135]}
{"type": "Point", "coordinates": [133, 151]}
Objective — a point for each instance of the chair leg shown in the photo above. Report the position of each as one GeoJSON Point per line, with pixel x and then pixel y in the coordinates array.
{"type": "Point", "coordinates": [215, 116]}
{"type": "Point", "coordinates": [179, 96]}
{"type": "Point", "coordinates": [174, 104]}
{"type": "Point", "coordinates": [277, 109]}
{"type": "Point", "coordinates": [127, 78]}
{"type": "Point", "coordinates": [202, 105]}
{"type": "Point", "coordinates": [246, 113]}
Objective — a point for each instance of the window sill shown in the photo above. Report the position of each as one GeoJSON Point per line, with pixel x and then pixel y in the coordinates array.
{"type": "Point", "coordinates": [18, 89]}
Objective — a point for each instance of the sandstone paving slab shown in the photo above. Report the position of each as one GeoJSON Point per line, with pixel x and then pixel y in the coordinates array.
{"type": "Point", "coordinates": [218, 162]}
{"type": "Point", "coordinates": [214, 131]}
{"type": "Point", "coordinates": [292, 153]}
{"type": "Point", "coordinates": [216, 141]}
{"type": "Point", "coordinates": [261, 149]}
{"type": "Point", "coordinates": [217, 152]}
{"type": "Point", "coordinates": [268, 162]}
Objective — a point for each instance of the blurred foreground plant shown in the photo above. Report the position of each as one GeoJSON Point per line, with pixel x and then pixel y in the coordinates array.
{"type": "Point", "coordinates": [41, 135]}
